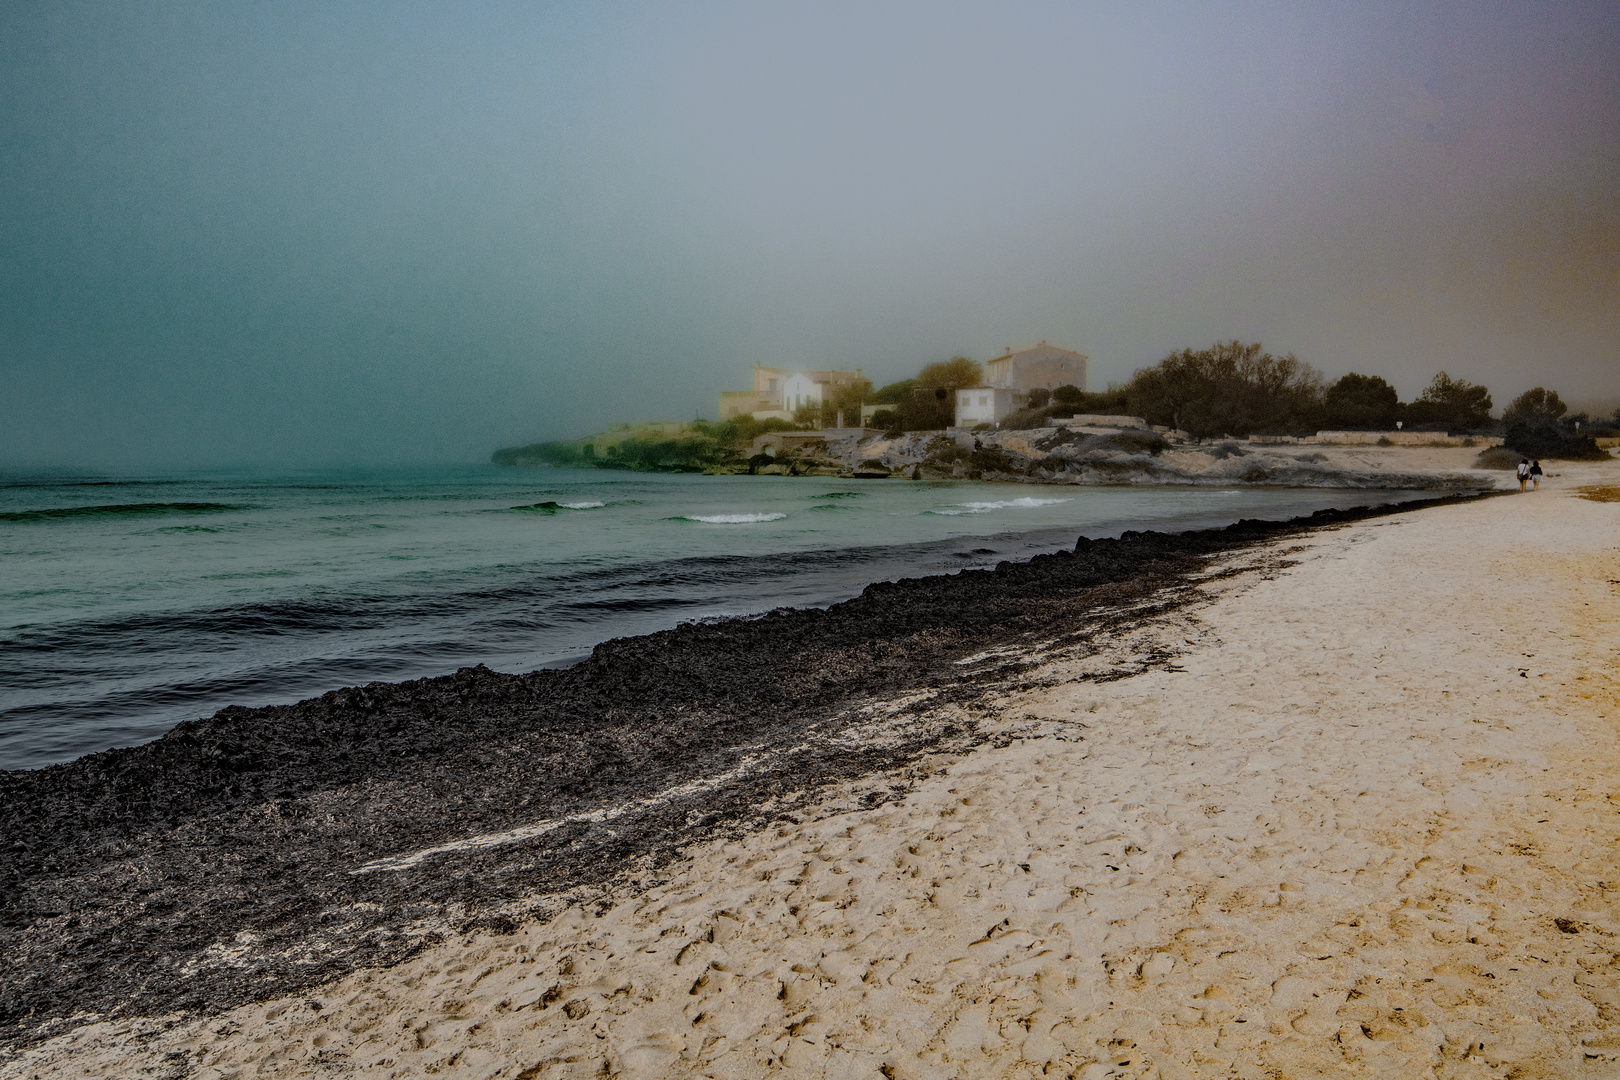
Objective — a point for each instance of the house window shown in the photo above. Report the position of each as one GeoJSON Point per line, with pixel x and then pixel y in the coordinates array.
{"type": "Point", "coordinates": [773, 386]}
{"type": "Point", "coordinates": [983, 399]}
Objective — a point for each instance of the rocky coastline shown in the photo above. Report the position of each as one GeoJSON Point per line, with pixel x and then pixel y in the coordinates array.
{"type": "Point", "coordinates": [1102, 456]}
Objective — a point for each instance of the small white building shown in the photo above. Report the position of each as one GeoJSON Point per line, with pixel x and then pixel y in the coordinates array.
{"type": "Point", "coordinates": [983, 405]}
{"type": "Point", "coordinates": [779, 392]}
{"type": "Point", "coordinates": [801, 389]}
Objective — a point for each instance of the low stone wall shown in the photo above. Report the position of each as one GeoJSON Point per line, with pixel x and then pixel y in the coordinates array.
{"type": "Point", "coordinates": [1099, 420]}
{"type": "Point", "coordinates": [1378, 438]}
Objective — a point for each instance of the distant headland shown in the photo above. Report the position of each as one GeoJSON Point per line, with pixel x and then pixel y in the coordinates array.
{"type": "Point", "coordinates": [1231, 413]}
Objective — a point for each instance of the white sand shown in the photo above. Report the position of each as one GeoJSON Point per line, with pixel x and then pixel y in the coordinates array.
{"type": "Point", "coordinates": [1339, 842]}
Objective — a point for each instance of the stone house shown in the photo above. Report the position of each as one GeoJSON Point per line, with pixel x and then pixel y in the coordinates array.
{"type": "Point", "coordinates": [1045, 366]}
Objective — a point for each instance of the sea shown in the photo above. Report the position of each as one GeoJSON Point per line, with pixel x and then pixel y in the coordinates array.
{"type": "Point", "coordinates": [131, 603]}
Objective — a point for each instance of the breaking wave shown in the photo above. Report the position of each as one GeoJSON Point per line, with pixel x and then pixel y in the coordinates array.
{"type": "Point", "coordinates": [728, 519]}
{"type": "Point", "coordinates": [551, 507]}
{"type": "Point", "coordinates": [985, 507]}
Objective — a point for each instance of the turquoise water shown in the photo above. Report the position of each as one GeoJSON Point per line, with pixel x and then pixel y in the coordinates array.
{"type": "Point", "coordinates": [128, 604]}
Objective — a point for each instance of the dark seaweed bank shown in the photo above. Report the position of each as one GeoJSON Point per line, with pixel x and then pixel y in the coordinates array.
{"type": "Point", "coordinates": [215, 865]}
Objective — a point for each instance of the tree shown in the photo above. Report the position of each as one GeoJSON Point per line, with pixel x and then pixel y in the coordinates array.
{"type": "Point", "coordinates": [1457, 404]}
{"type": "Point", "coordinates": [1535, 406]}
{"type": "Point", "coordinates": [894, 393]}
{"type": "Point", "coordinates": [1038, 397]}
{"type": "Point", "coordinates": [1228, 389]}
{"type": "Point", "coordinates": [1364, 402]}
{"type": "Point", "coordinates": [927, 402]}
{"type": "Point", "coordinates": [846, 399]}
{"type": "Point", "coordinates": [1068, 394]}
{"type": "Point", "coordinates": [951, 374]}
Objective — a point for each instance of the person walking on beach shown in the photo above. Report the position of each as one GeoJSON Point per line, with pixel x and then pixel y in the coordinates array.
{"type": "Point", "coordinates": [1524, 472]}
{"type": "Point", "coordinates": [1535, 476]}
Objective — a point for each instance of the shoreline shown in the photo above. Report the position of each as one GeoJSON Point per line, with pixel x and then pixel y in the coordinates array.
{"type": "Point", "coordinates": [152, 861]}
{"type": "Point", "coordinates": [1316, 794]}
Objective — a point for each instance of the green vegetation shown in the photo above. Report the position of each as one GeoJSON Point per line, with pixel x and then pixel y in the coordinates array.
{"type": "Point", "coordinates": [1451, 405]}
{"type": "Point", "coordinates": [1236, 389]}
{"type": "Point", "coordinates": [1534, 429]}
{"type": "Point", "coordinates": [928, 401]}
{"type": "Point", "coordinates": [1228, 389]}
{"type": "Point", "coordinates": [1360, 402]}
{"type": "Point", "coordinates": [701, 447]}
{"type": "Point", "coordinates": [1536, 406]}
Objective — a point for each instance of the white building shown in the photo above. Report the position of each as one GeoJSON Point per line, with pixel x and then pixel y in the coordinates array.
{"type": "Point", "coordinates": [983, 405]}
{"type": "Point", "coordinates": [778, 392]}
{"type": "Point", "coordinates": [800, 389]}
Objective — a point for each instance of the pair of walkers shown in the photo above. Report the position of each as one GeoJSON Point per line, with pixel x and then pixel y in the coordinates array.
{"type": "Point", "coordinates": [1529, 472]}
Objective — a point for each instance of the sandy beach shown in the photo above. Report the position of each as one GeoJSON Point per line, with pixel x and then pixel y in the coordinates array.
{"type": "Point", "coordinates": [1351, 811]}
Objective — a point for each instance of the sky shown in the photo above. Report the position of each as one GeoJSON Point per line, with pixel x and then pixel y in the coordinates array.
{"type": "Point", "coordinates": [305, 234]}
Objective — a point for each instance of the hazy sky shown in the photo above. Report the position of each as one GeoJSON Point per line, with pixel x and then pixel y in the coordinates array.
{"type": "Point", "coordinates": [300, 233]}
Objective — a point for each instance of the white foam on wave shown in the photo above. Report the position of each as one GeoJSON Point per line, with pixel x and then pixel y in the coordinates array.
{"type": "Point", "coordinates": [581, 505]}
{"type": "Point", "coordinates": [985, 507]}
{"type": "Point", "coordinates": [731, 519]}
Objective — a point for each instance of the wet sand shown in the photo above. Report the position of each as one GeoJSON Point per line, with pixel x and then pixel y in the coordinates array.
{"type": "Point", "coordinates": [1332, 802]}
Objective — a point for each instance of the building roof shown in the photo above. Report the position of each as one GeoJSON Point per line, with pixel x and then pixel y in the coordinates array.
{"type": "Point", "coordinates": [1043, 351]}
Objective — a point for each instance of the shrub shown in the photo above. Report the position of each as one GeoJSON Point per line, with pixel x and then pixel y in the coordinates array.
{"type": "Point", "coordinates": [1024, 419]}
{"type": "Point", "coordinates": [943, 451]}
{"type": "Point", "coordinates": [1497, 457]}
{"type": "Point", "coordinates": [1545, 440]}
{"type": "Point", "coordinates": [1136, 442]}
{"type": "Point", "coordinates": [992, 459]}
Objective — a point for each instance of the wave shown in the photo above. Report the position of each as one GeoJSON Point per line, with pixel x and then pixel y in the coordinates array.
{"type": "Point", "coordinates": [551, 506]}
{"type": "Point", "coordinates": [843, 495]}
{"type": "Point", "coordinates": [728, 519]}
{"type": "Point", "coordinates": [119, 510]}
{"type": "Point", "coordinates": [46, 482]}
{"type": "Point", "coordinates": [985, 507]}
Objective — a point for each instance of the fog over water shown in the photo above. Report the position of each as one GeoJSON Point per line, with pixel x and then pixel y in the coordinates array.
{"type": "Point", "coordinates": [310, 233]}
